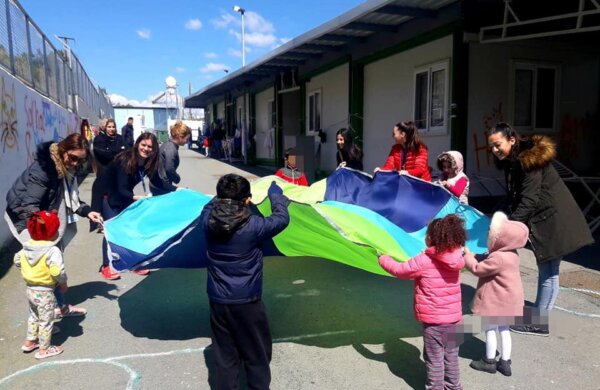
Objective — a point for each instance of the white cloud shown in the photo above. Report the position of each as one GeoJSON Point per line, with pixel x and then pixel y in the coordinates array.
{"type": "Point", "coordinates": [213, 67]}
{"type": "Point", "coordinates": [259, 32]}
{"type": "Point", "coordinates": [234, 53]}
{"type": "Point", "coordinates": [143, 33]}
{"type": "Point", "coordinates": [193, 24]}
{"type": "Point", "coordinates": [284, 40]}
{"type": "Point", "coordinates": [210, 55]}
{"type": "Point", "coordinates": [224, 20]}
{"type": "Point", "coordinates": [179, 69]}
{"type": "Point", "coordinates": [256, 23]}
{"type": "Point", "coordinates": [120, 100]}
{"type": "Point", "coordinates": [255, 38]}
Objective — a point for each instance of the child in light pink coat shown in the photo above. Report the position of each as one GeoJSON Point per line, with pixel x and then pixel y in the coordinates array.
{"type": "Point", "coordinates": [499, 295]}
{"type": "Point", "coordinates": [437, 301]}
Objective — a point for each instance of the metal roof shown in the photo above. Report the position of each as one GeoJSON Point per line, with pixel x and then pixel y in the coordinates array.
{"type": "Point", "coordinates": [354, 26]}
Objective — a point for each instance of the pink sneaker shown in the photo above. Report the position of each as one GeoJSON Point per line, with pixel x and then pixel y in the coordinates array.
{"type": "Point", "coordinates": [108, 274]}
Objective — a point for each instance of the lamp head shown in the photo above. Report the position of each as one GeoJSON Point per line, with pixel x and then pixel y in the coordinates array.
{"type": "Point", "coordinates": [171, 82]}
{"type": "Point", "coordinates": [239, 9]}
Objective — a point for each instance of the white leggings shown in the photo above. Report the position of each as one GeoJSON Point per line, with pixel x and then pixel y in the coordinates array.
{"type": "Point", "coordinates": [491, 343]}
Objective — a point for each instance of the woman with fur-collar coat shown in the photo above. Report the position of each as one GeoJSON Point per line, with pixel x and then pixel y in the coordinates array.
{"type": "Point", "coordinates": [539, 198]}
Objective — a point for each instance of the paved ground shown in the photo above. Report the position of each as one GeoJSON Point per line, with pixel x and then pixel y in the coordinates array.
{"type": "Point", "coordinates": [334, 327]}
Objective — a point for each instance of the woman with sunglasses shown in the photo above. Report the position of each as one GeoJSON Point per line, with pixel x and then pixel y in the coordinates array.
{"type": "Point", "coordinates": [50, 183]}
{"type": "Point", "coordinates": [112, 191]}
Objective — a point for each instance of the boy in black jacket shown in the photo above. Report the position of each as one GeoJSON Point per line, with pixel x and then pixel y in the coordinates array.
{"type": "Point", "coordinates": [240, 328]}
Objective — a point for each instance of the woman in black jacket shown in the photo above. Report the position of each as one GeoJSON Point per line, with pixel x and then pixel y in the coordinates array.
{"type": "Point", "coordinates": [112, 191]}
{"type": "Point", "coordinates": [50, 183]}
{"type": "Point", "coordinates": [107, 145]}
{"type": "Point", "coordinates": [538, 197]}
{"type": "Point", "coordinates": [348, 153]}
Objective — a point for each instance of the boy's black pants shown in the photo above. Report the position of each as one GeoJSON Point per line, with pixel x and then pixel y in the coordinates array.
{"type": "Point", "coordinates": [241, 333]}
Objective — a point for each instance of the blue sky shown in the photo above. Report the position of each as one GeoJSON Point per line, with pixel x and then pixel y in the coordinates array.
{"type": "Point", "coordinates": [131, 46]}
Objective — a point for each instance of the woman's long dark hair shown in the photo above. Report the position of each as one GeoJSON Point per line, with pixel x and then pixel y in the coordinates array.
{"type": "Point", "coordinates": [350, 147]}
{"type": "Point", "coordinates": [413, 139]}
{"type": "Point", "coordinates": [129, 157]}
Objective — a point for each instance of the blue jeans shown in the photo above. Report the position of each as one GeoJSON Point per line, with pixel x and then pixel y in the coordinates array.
{"type": "Point", "coordinates": [547, 284]}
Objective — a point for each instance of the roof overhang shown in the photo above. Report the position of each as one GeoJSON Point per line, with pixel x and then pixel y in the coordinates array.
{"type": "Point", "coordinates": [353, 27]}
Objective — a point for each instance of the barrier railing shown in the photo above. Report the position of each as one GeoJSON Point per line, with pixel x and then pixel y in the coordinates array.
{"type": "Point", "coordinates": [26, 53]}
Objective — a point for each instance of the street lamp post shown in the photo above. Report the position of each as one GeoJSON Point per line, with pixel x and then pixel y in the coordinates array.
{"type": "Point", "coordinates": [239, 9]}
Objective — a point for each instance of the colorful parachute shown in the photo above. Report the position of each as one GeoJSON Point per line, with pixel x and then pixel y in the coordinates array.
{"type": "Point", "coordinates": [348, 217]}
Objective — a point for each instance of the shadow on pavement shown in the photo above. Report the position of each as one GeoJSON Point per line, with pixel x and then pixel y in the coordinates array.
{"type": "Point", "coordinates": [403, 360]}
{"type": "Point", "coordinates": [588, 256]}
{"type": "Point", "coordinates": [309, 301]}
{"type": "Point", "coordinates": [69, 327]}
{"type": "Point", "coordinates": [90, 290]}
{"type": "Point", "coordinates": [7, 253]}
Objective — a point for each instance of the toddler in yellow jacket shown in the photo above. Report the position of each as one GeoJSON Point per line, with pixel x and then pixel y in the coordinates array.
{"type": "Point", "coordinates": [42, 267]}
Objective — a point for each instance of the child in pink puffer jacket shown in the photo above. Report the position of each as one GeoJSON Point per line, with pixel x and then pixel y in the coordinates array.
{"type": "Point", "coordinates": [499, 295]}
{"type": "Point", "coordinates": [437, 301]}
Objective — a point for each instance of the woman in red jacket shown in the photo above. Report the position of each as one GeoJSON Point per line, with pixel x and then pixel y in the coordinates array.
{"type": "Point", "coordinates": [409, 154]}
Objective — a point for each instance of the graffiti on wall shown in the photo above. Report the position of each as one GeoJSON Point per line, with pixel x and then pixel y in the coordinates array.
{"type": "Point", "coordinates": [8, 118]}
{"type": "Point", "coordinates": [480, 140]}
{"type": "Point", "coordinates": [28, 119]}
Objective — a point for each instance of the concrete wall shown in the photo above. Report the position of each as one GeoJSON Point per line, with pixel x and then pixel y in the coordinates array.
{"type": "Point", "coordinates": [26, 120]}
{"type": "Point", "coordinates": [265, 137]}
{"type": "Point", "coordinates": [490, 101]}
{"type": "Point", "coordinates": [335, 98]}
{"type": "Point", "coordinates": [389, 98]}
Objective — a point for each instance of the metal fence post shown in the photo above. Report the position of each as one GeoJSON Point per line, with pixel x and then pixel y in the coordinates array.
{"type": "Point", "coordinates": [10, 41]}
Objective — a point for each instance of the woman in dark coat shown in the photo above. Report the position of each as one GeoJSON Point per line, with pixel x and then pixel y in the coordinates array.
{"type": "Point", "coordinates": [539, 198]}
{"type": "Point", "coordinates": [107, 145]}
{"type": "Point", "coordinates": [112, 191]}
{"type": "Point", "coordinates": [50, 183]}
{"type": "Point", "coordinates": [348, 153]}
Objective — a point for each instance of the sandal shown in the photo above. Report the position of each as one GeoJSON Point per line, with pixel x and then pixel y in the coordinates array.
{"type": "Point", "coordinates": [53, 350]}
{"type": "Point", "coordinates": [72, 311]}
{"type": "Point", "coordinates": [30, 348]}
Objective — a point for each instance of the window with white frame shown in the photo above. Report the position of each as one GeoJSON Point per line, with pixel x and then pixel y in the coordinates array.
{"type": "Point", "coordinates": [431, 97]}
{"type": "Point", "coordinates": [313, 111]}
{"type": "Point", "coordinates": [535, 96]}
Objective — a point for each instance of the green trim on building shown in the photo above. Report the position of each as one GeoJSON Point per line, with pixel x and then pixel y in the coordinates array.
{"type": "Point", "coordinates": [252, 132]}
{"type": "Point", "coordinates": [356, 100]}
{"type": "Point", "coordinates": [411, 43]}
{"type": "Point", "coordinates": [460, 94]}
{"type": "Point", "coordinates": [327, 67]}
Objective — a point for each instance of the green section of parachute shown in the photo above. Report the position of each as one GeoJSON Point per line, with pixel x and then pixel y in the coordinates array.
{"type": "Point", "coordinates": [309, 195]}
{"type": "Point", "coordinates": [310, 234]}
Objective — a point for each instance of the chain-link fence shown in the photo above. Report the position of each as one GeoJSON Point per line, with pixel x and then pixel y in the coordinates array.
{"type": "Point", "coordinates": [27, 53]}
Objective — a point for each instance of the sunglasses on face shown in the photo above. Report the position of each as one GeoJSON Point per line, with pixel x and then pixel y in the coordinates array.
{"type": "Point", "coordinates": [74, 159]}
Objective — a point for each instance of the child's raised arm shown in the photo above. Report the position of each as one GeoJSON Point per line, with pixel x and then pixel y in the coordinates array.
{"type": "Point", "coordinates": [409, 270]}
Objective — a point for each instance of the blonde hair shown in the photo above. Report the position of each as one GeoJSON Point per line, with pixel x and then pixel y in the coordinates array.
{"type": "Point", "coordinates": [180, 129]}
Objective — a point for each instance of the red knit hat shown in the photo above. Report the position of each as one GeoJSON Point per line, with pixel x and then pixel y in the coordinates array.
{"type": "Point", "coordinates": [43, 225]}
